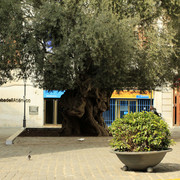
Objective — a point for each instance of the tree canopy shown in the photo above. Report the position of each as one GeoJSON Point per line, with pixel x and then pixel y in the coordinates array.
{"type": "Point", "coordinates": [114, 44]}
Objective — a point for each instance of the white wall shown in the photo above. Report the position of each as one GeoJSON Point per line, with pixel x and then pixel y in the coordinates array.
{"type": "Point", "coordinates": [163, 102]}
{"type": "Point", "coordinates": [12, 113]}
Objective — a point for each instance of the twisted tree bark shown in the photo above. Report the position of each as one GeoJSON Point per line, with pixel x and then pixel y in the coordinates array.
{"type": "Point", "coordinates": [82, 110]}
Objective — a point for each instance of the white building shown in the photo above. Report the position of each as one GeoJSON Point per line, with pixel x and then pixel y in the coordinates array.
{"type": "Point", "coordinates": [12, 105]}
{"type": "Point", "coordinates": [42, 107]}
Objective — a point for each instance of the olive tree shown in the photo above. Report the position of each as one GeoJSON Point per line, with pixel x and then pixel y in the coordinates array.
{"type": "Point", "coordinates": [89, 49]}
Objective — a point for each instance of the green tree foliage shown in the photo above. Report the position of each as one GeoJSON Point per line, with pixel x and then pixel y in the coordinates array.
{"type": "Point", "coordinates": [85, 44]}
{"type": "Point", "coordinates": [158, 50]}
{"type": "Point", "coordinates": [10, 25]}
{"type": "Point", "coordinates": [97, 40]}
{"type": "Point", "coordinates": [15, 40]}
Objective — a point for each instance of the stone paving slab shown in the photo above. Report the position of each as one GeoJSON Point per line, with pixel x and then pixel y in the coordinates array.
{"type": "Point", "coordinates": [66, 158]}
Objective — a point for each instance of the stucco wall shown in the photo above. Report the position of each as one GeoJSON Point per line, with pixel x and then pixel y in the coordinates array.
{"type": "Point", "coordinates": [163, 102]}
{"type": "Point", "coordinates": [12, 113]}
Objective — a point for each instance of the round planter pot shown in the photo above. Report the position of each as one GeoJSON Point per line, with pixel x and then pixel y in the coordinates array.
{"type": "Point", "coordinates": [141, 160]}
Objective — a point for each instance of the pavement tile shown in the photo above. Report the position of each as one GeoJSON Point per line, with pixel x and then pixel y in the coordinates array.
{"type": "Point", "coordinates": [65, 158]}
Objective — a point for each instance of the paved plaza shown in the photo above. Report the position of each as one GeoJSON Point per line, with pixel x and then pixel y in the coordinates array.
{"type": "Point", "coordinates": [66, 158]}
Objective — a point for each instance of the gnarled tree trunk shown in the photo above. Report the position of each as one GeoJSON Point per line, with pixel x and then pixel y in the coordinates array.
{"type": "Point", "coordinates": [82, 111]}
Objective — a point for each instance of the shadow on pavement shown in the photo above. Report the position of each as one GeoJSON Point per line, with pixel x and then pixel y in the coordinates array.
{"type": "Point", "coordinates": [50, 145]}
{"type": "Point", "coordinates": [167, 167]}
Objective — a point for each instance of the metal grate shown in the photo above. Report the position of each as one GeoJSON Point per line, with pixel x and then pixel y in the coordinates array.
{"type": "Point", "coordinates": [109, 116]}
{"type": "Point", "coordinates": [121, 107]}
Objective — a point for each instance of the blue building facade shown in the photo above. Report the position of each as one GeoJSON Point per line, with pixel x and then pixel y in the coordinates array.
{"type": "Point", "coordinates": [121, 103]}
{"type": "Point", "coordinates": [120, 107]}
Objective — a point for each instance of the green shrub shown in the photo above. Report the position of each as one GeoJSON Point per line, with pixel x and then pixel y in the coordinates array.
{"type": "Point", "coordinates": [140, 131]}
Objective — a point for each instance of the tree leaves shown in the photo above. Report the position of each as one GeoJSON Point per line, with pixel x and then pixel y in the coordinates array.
{"type": "Point", "coordinates": [114, 43]}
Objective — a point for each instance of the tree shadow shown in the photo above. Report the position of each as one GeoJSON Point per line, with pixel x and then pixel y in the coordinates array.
{"type": "Point", "coordinates": [45, 145]}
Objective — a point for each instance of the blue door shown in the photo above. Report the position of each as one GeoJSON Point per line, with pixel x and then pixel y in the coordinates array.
{"type": "Point", "coordinates": [123, 108]}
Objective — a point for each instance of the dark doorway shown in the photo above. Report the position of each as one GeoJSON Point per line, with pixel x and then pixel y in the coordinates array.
{"type": "Point", "coordinates": [52, 115]}
{"type": "Point", "coordinates": [176, 109]}
{"type": "Point", "coordinates": [49, 111]}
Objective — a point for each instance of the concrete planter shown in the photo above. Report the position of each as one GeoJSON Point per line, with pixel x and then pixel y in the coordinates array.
{"type": "Point", "coordinates": [141, 160]}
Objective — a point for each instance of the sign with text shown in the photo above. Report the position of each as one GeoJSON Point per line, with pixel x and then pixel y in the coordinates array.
{"type": "Point", "coordinates": [18, 100]}
{"type": "Point", "coordinates": [132, 94]}
{"type": "Point", "coordinates": [53, 94]}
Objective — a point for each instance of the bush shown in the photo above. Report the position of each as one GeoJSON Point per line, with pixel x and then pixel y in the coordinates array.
{"type": "Point", "coordinates": [140, 131]}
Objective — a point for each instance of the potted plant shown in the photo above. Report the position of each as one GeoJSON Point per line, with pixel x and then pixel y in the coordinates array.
{"type": "Point", "coordinates": [140, 140]}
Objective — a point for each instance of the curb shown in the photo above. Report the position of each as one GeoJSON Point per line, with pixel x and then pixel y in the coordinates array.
{"type": "Point", "coordinates": [11, 139]}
